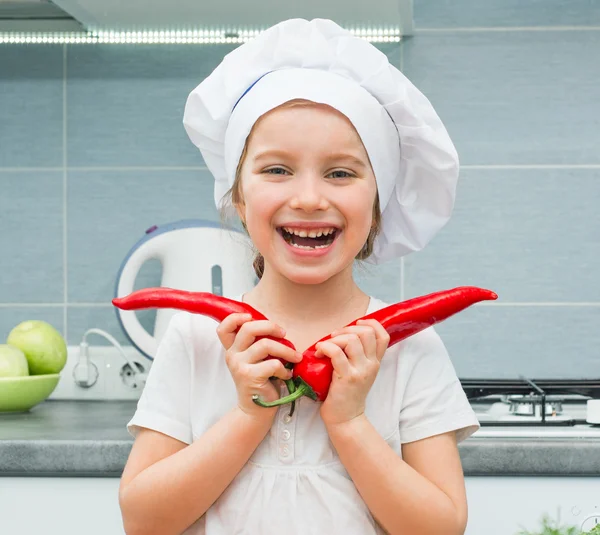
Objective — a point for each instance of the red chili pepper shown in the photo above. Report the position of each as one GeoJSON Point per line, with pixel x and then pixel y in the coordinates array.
{"type": "Point", "coordinates": [401, 320]}
{"type": "Point", "coordinates": [214, 306]}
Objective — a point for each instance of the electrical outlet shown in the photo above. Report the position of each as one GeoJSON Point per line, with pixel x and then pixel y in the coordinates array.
{"type": "Point", "coordinates": [115, 380]}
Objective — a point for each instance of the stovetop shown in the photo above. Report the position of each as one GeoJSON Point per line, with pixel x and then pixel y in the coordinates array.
{"type": "Point", "coordinates": [476, 388]}
{"type": "Point", "coordinates": [527, 408]}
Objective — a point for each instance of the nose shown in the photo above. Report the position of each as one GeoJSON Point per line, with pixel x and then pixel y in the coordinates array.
{"type": "Point", "coordinates": [308, 195]}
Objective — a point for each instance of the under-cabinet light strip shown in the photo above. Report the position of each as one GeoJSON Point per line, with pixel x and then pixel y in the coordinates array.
{"type": "Point", "coordinates": [374, 35]}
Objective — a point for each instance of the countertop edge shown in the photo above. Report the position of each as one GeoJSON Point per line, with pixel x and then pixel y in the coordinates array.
{"type": "Point", "coordinates": [63, 458]}
{"type": "Point", "coordinates": [526, 457]}
{"type": "Point", "coordinates": [479, 456]}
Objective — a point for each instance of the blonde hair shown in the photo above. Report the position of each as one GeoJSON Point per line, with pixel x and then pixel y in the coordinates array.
{"type": "Point", "coordinates": [234, 197]}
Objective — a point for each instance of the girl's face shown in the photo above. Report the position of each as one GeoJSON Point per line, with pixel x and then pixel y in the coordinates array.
{"type": "Point", "coordinates": [307, 192]}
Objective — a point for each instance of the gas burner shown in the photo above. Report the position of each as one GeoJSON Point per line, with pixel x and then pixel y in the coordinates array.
{"type": "Point", "coordinates": [531, 405]}
{"type": "Point", "coordinates": [526, 411]}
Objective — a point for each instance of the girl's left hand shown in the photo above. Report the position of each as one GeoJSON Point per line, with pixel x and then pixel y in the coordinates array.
{"type": "Point", "coordinates": [356, 354]}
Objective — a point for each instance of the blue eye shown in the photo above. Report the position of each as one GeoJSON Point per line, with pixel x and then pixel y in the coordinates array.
{"type": "Point", "coordinates": [347, 175]}
{"type": "Point", "coordinates": [275, 169]}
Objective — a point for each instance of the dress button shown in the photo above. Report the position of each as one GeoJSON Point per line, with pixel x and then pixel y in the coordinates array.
{"type": "Point", "coordinates": [287, 418]}
{"type": "Point", "coordinates": [285, 451]}
{"type": "Point", "coordinates": [286, 434]}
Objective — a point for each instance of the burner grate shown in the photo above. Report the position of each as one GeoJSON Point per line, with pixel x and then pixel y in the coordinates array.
{"type": "Point", "coordinates": [479, 388]}
{"type": "Point", "coordinates": [539, 393]}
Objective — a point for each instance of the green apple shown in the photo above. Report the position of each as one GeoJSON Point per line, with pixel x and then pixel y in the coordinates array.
{"type": "Point", "coordinates": [13, 362]}
{"type": "Point", "coordinates": [44, 347]}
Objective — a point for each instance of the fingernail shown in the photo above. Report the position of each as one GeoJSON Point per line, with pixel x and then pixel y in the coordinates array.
{"type": "Point", "coordinates": [334, 333]}
{"type": "Point", "coordinates": [282, 331]}
{"type": "Point", "coordinates": [298, 355]}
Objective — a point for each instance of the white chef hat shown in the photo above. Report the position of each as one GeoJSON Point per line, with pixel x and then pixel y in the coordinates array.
{"type": "Point", "coordinates": [414, 161]}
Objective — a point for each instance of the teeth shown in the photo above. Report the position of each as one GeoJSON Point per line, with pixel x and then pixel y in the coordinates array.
{"type": "Point", "coordinates": [315, 233]}
{"type": "Point", "coordinates": [312, 233]}
{"type": "Point", "coordinates": [308, 246]}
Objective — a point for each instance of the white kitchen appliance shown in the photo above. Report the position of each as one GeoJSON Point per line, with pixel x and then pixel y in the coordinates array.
{"type": "Point", "coordinates": [196, 255]}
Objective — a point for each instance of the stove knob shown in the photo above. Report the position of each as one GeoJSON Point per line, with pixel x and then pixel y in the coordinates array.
{"type": "Point", "coordinates": [593, 411]}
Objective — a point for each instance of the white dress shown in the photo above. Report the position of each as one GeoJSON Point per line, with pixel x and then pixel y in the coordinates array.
{"type": "Point", "coordinates": [294, 482]}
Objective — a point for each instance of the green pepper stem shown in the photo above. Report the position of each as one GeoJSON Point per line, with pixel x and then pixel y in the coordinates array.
{"type": "Point", "coordinates": [298, 393]}
{"type": "Point", "coordinates": [291, 386]}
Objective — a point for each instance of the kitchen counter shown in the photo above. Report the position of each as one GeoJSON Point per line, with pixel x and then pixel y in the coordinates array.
{"type": "Point", "coordinates": [89, 439]}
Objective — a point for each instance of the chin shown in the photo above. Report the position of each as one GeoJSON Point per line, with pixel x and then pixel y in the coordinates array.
{"type": "Point", "coordinates": [312, 275]}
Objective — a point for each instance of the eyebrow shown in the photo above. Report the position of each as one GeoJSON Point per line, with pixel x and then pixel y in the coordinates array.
{"type": "Point", "coordinates": [336, 156]}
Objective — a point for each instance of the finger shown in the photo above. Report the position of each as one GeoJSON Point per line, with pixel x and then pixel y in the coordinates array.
{"type": "Point", "coordinates": [339, 360]}
{"type": "Point", "coordinates": [352, 346]}
{"type": "Point", "coordinates": [382, 337]}
{"type": "Point", "coordinates": [227, 329]}
{"type": "Point", "coordinates": [367, 336]}
{"type": "Point", "coordinates": [265, 347]}
{"type": "Point", "coordinates": [251, 330]}
{"type": "Point", "coordinates": [266, 369]}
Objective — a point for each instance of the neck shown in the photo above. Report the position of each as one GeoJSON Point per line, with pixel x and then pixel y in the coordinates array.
{"type": "Point", "coordinates": [278, 297]}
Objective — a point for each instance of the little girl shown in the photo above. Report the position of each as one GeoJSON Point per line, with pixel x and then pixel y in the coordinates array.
{"type": "Point", "coordinates": [328, 154]}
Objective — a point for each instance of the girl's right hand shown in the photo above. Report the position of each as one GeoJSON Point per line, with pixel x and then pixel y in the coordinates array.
{"type": "Point", "coordinates": [245, 360]}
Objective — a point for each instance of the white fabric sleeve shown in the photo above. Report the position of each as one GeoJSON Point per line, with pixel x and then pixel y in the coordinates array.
{"type": "Point", "coordinates": [434, 400]}
{"type": "Point", "coordinates": [164, 404]}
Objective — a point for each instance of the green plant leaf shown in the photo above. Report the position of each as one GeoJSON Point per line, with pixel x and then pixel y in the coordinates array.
{"type": "Point", "coordinates": [551, 527]}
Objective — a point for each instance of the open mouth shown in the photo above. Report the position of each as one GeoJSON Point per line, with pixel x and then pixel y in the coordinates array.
{"type": "Point", "coordinates": [309, 238]}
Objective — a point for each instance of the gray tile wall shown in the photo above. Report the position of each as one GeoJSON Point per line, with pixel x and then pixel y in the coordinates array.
{"type": "Point", "coordinates": [93, 152]}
